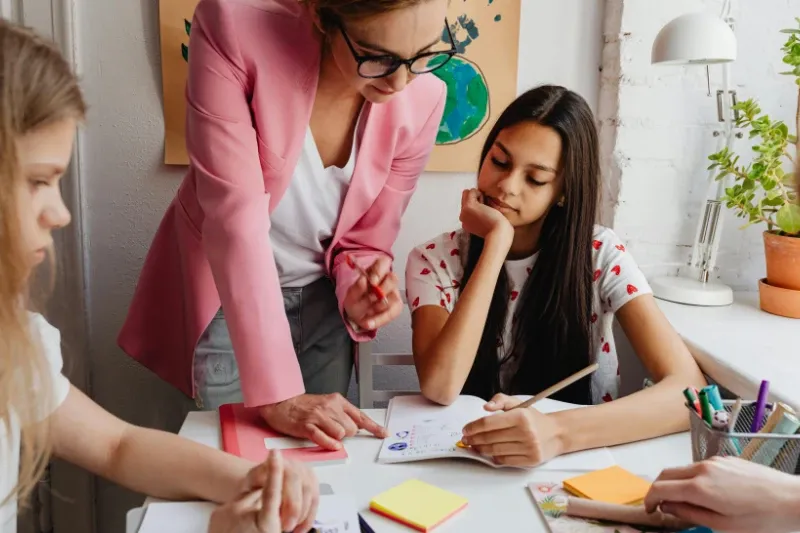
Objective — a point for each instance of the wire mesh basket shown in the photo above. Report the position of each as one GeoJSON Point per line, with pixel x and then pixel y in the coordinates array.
{"type": "Point", "coordinates": [781, 452]}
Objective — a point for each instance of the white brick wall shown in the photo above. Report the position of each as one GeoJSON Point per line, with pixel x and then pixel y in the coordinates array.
{"type": "Point", "coordinates": [656, 130]}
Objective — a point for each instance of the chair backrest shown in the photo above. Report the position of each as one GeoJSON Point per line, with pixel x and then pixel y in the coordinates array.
{"type": "Point", "coordinates": [367, 361]}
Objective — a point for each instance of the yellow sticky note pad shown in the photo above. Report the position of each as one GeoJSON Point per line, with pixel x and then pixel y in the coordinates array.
{"type": "Point", "coordinates": [418, 504]}
{"type": "Point", "coordinates": [612, 485]}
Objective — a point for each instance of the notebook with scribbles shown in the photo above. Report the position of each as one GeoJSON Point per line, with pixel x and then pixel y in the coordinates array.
{"type": "Point", "coordinates": [246, 435]}
{"type": "Point", "coordinates": [420, 430]}
{"type": "Point", "coordinates": [551, 499]}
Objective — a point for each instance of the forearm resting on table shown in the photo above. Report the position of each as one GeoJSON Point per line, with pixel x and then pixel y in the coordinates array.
{"type": "Point", "coordinates": [444, 363]}
{"type": "Point", "coordinates": [649, 413]}
{"type": "Point", "coordinates": [180, 470]}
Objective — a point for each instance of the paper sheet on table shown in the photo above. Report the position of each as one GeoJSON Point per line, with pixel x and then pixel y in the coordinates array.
{"type": "Point", "coordinates": [337, 513]}
{"type": "Point", "coordinates": [177, 517]}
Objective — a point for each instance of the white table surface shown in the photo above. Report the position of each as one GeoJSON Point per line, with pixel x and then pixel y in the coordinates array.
{"type": "Point", "coordinates": [498, 498]}
{"type": "Point", "coordinates": [739, 345]}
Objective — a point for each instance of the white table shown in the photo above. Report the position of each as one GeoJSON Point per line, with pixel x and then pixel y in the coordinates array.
{"type": "Point", "coordinates": [739, 345]}
{"type": "Point", "coordinates": [498, 498]}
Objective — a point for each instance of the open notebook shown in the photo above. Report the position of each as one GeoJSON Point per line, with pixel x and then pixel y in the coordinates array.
{"type": "Point", "coordinates": [420, 430]}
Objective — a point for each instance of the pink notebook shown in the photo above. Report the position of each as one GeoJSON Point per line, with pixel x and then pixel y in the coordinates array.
{"type": "Point", "coordinates": [245, 434]}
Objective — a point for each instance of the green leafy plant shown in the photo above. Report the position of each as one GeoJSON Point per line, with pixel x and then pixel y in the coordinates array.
{"type": "Point", "coordinates": [762, 192]}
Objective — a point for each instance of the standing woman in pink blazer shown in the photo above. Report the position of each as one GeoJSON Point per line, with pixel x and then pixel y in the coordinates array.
{"type": "Point", "coordinates": [309, 123]}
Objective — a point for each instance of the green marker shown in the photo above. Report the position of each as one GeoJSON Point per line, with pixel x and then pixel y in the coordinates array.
{"type": "Point", "coordinates": [692, 400]}
{"type": "Point", "coordinates": [705, 406]}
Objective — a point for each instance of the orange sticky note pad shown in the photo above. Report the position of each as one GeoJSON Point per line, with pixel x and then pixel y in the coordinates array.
{"type": "Point", "coordinates": [418, 505]}
{"type": "Point", "coordinates": [612, 485]}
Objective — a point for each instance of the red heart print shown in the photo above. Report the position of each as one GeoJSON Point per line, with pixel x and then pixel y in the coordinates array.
{"type": "Point", "coordinates": [616, 270]}
{"type": "Point", "coordinates": [529, 269]}
{"type": "Point", "coordinates": [514, 295]}
{"type": "Point", "coordinates": [447, 295]}
{"type": "Point", "coordinates": [597, 244]}
{"type": "Point", "coordinates": [431, 246]}
{"type": "Point", "coordinates": [594, 318]}
{"type": "Point", "coordinates": [620, 247]}
{"type": "Point", "coordinates": [443, 264]}
{"type": "Point", "coordinates": [425, 272]}
{"type": "Point", "coordinates": [452, 235]}
{"type": "Point", "coordinates": [440, 288]}
{"type": "Point", "coordinates": [602, 340]}
{"type": "Point", "coordinates": [423, 257]}
{"type": "Point", "coordinates": [632, 289]}
{"type": "Point", "coordinates": [607, 348]}
{"type": "Point", "coordinates": [597, 274]}
{"type": "Point", "coordinates": [607, 397]}
{"type": "Point", "coordinates": [441, 302]}
{"type": "Point", "coordinates": [456, 284]}
{"type": "Point", "coordinates": [454, 252]}
{"type": "Point", "coordinates": [416, 302]}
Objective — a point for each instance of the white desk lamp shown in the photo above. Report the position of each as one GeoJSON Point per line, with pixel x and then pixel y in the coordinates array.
{"type": "Point", "coordinates": [701, 39]}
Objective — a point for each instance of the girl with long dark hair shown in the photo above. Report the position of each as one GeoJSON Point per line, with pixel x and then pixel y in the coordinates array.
{"type": "Point", "coordinates": [526, 294]}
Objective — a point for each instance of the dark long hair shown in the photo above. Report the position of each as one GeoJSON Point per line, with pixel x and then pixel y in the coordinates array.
{"type": "Point", "coordinates": [552, 332]}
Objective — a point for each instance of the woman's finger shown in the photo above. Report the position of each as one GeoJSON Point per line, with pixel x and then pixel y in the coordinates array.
{"type": "Point", "coordinates": [379, 269]}
{"type": "Point", "coordinates": [501, 402]}
{"type": "Point", "coordinates": [501, 449]}
{"type": "Point", "coordinates": [292, 504]}
{"type": "Point", "coordinates": [510, 434]}
{"type": "Point", "coordinates": [268, 517]}
{"type": "Point", "coordinates": [310, 502]}
{"type": "Point", "coordinates": [698, 515]}
{"type": "Point", "coordinates": [322, 439]}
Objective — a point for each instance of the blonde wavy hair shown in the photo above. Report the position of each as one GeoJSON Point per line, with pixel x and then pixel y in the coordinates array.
{"type": "Point", "coordinates": [37, 88]}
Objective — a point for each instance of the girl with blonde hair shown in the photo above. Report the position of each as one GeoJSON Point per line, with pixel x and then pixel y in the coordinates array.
{"type": "Point", "coordinates": [40, 412]}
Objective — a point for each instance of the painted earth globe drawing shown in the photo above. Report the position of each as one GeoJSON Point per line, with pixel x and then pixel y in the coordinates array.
{"type": "Point", "coordinates": [467, 107]}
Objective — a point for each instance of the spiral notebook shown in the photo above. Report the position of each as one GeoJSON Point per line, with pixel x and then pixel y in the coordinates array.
{"type": "Point", "coordinates": [245, 434]}
{"type": "Point", "coordinates": [421, 430]}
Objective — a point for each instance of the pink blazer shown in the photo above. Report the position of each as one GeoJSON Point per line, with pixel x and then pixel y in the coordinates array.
{"type": "Point", "coordinates": [253, 67]}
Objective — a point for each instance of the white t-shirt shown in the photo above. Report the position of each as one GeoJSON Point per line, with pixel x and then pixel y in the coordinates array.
{"type": "Point", "coordinates": [434, 272]}
{"type": "Point", "coordinates": [9, 447]}
{"type": "Point", "coordinates": [306, 216]}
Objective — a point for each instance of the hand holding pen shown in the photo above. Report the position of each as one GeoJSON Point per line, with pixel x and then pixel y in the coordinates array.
{"type": "Point", "coordinates": [373, 300]}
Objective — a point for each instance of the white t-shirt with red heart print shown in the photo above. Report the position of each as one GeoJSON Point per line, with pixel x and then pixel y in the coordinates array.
{"type": "Point", "coordinates": [434, 272]}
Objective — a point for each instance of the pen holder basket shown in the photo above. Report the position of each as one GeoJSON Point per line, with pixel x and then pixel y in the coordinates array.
{"type": "Point", "coordinates": [781, 452]}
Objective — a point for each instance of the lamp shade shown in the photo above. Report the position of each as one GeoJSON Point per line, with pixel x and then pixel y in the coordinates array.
{"type": "Point", "coordinates": [694, 38]}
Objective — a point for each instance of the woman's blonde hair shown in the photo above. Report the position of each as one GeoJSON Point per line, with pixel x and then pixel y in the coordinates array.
{"type": "Point", "coordinates": [37, 88]}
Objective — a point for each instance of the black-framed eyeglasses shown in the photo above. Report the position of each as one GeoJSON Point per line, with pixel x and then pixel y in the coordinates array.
{"type": "Point", "coordinates": [380, 66]}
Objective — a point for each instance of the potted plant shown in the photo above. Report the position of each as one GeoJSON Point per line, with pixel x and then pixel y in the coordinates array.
{"type": "Point", "coordinates": [763, 191]}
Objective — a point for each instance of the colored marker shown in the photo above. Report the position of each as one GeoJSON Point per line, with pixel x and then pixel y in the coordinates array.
{"type": "Point", "coordinates": [706, 409]}
{"type": "Point", "coordinates": [692, 400]}
{"type": "Point", "coordinates": [761, 402]}
{"type": "Point", "coordinates": [714, 397]}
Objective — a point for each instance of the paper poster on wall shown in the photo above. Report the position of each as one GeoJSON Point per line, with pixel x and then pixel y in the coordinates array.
{"type": "Point", "coordinates": [481, 79]}
{"type": "Point", "coordinates": [175, 20]}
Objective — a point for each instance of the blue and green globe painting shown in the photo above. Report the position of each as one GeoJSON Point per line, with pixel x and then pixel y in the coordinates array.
{"type": "Point", "coordinates": [467, 106]}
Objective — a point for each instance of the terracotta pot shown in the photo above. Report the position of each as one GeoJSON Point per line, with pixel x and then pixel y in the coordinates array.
{"type": "Point", "coordinates": [779, 301]}
{"type": "Point", "coordinates": [783, 261]}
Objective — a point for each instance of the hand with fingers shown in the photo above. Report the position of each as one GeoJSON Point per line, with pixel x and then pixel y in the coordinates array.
{"type": "Point", "coordinates": [367, 310]}
{"type": "Point", "coordinates": [483, 221]}
{"type": "Point", "coordinates": [277, 496]}
{"type": "Point", "coordinates": [729, 494]}
{"type": "Point", "coordinates": [514, 437]}
{"type": "Point", "coordinates": [324, 419]}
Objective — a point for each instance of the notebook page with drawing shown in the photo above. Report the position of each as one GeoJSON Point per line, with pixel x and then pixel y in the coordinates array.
{"type": "Point", "coordinates": [421, 430]}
